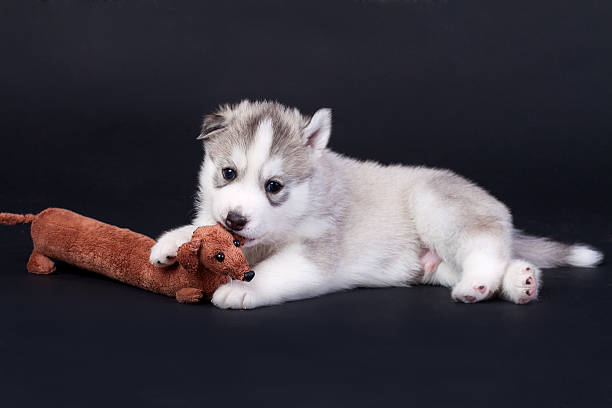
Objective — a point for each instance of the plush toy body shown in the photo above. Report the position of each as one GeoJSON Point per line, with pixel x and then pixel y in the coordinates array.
{"type": "Point", "coordinates": [210, 259]}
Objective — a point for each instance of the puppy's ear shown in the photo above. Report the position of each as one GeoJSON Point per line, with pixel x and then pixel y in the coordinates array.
{"type": "Point", "coordinates": [189, 254]}
{"type": "Point", "coordinates": [316, 133]}
{"type": "Point", "coordinates": [213, 123]}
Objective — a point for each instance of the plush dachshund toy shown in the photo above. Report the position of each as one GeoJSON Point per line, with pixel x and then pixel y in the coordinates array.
{"type": "Point", "coordinates": [210, 259]}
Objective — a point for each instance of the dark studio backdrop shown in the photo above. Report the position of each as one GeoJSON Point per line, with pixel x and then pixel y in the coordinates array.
{"type": "Point", "coordinates": [100, 105]}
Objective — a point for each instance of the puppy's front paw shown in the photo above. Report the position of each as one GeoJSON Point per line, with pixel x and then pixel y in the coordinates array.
{"type": "Point", "coordinates": [234, 295]}
{"type": "Point", "coordinates": [163, 253]}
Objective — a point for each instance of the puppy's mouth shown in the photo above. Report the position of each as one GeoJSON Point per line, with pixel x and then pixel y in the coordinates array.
{"type": "Point", "coordinates": [247, 241]}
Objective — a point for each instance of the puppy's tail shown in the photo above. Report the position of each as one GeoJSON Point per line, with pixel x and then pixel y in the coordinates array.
{"type": "Point", "coordinates": [545, 253]}
{"type": "Point", "coordinates": [14, 219]}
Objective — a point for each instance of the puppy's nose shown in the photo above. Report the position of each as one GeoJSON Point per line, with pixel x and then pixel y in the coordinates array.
{"type": "Point", "coordinates": [236, 221]}
{"type": "Point", "coordinates": [248, 276]}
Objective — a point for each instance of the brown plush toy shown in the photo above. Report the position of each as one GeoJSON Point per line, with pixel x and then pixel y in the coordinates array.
{"type": "Point", "coordinates": [210, 259]}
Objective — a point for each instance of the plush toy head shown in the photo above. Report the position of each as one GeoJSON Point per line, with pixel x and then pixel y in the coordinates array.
{"type": "Point", "coordinates": [216, 250]}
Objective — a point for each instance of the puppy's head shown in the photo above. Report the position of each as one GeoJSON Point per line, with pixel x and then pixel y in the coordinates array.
{"type": "Point", "coordinates": [259, 159]}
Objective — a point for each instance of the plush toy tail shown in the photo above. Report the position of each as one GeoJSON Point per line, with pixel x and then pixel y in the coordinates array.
{"type": "Point", "coordinates": [14, 219]}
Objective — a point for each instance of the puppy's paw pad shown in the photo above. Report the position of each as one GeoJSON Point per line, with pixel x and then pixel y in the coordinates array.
{"type": "Point", "coordinates": [466, 294]}
{"type": "Point", "coordinates": [521, 283]}
{"type": "Point", "coordinates": [527, 295]}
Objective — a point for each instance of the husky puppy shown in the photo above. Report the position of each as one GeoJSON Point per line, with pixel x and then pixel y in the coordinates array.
{"type": "Point", "coordinates": [317, 222]}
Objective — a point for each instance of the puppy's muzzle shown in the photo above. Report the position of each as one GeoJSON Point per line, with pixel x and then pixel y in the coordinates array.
{"type": "Point", "coordinates": [235, 221]}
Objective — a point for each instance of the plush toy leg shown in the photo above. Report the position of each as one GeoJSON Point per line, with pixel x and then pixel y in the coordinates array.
{"type": "Point", "coordinates": [189, 295]}
{"type": "Point", "coordinates": [40, 264]}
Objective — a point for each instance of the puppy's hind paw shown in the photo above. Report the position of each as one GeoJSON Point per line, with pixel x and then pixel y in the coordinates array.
{"type": "Point", "coordinates": [521, 282]}
{"type": "Point", "coordinates": [470, 293]}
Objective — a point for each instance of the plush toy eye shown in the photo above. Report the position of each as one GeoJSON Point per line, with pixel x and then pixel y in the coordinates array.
{"type": "Point", "coordinates": [236, 243]}
{"type": "Point", "coordinates": [220, 256]}
{"type": "Point", "coordinates": [228, 173]}
{"type": "Point", "coordinates": [273, 186]}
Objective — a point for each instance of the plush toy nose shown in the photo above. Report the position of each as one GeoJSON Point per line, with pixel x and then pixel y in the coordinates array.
{"type": "Point", "coordinates": [236, 221]}
{"type": "Point", "coordinates": [248, 276]}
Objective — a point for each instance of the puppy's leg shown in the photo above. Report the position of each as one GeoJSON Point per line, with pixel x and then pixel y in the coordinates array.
{"type": "Point", "coordinates": [483, 260]}
{"type": "Point", "coordinates": [521, 283]}
{"type": "Point", "coordinates": [163, 253]}
{"type": "Point", "coordinates": [444, 275]}
{"type": "Point", "coordinates": [286, 275]}
{"type": "Point", "coordinates": [469, 229]}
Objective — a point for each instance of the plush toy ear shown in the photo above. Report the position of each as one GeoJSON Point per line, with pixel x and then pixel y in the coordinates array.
{"type": "Point", "coordinates": [212, 124]}
{"type": "Point", "coordinates": [189, 255]}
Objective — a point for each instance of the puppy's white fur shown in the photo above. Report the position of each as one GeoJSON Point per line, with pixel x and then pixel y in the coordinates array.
{"type": "Point", "coordinates": [339, 223]}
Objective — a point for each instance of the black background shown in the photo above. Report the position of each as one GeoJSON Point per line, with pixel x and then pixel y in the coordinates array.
{"type": "Point", "coordinates": [101, 102]}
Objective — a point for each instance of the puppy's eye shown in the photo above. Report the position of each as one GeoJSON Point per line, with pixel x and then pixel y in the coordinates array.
{"type": "Point", "coordinates": [273, 186]}
{"type": "Point", "coordinates": [220, 256]}
{"type": "Point", "coordinates": [228, 173]}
